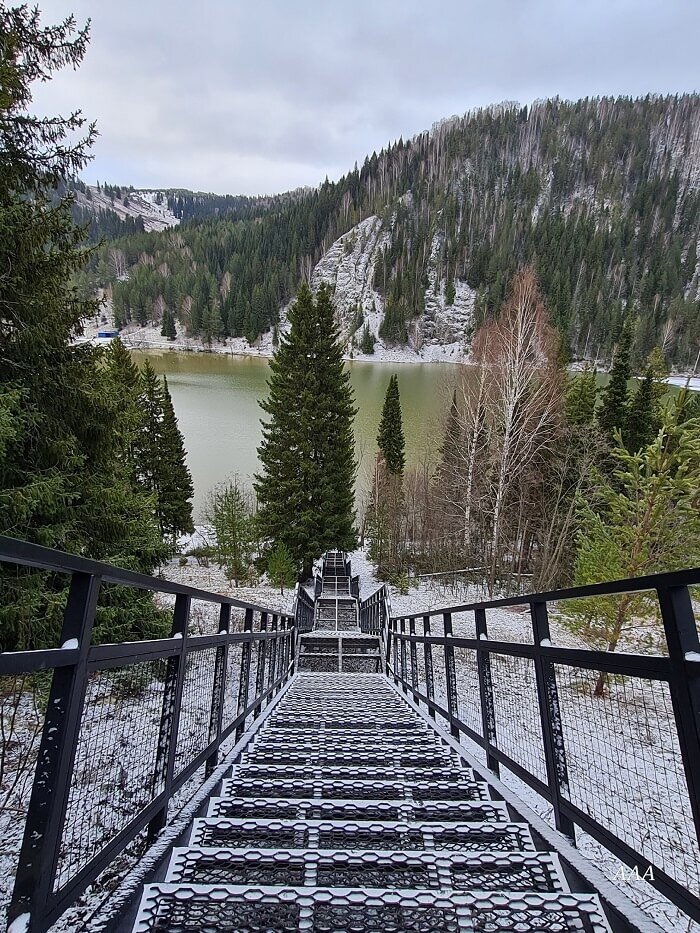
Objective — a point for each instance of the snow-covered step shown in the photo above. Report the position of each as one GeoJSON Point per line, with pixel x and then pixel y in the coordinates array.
{"type": "Point", "coordinates": [340, 834]}
{"type": "Point", "coordinates": [356, 790]}
{"type": "Point", "coordinates": [324, 758]}
{"type": "Point", "coordinates": [319, 809]}
{"type": "Point", "coordinates": [449, 774]}
{"type": "Point", "coordinates": [476, 871]}
{"type": "Point", "coordinates": [241, 907]}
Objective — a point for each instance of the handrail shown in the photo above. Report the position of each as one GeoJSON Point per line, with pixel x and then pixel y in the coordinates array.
{"type": "Point", "coordinates": [549, 690]}
{"type": "Point", "coordinates": [22, 553]}
{"type": "Point", "coordinates": [203, 689]}
{"type": "Point", "coordinates": [303, 610]}
{"type": "Point", "coordinates": [375, 611]}
{"type": "Point", "coordinates": [688, 577]}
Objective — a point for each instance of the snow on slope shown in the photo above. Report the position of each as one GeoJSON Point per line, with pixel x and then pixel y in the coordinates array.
{"type": "Point", "coordinates": [348, 267]}
{"type": "Point", "coordinates": [141, 204]}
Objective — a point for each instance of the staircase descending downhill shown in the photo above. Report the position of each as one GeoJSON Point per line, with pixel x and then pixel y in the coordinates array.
{"type": "Point", "coordinates": [336, 643]}
{"type": "Point", "coordinates": [348, 812]}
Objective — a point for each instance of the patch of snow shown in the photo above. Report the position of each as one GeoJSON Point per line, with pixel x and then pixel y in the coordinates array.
{"type": "Point", "coordinates": [19, 924]}
{"type": "Point", "coordinates": [692, 655]}
{"type": "Point", "coordinates": [71, 643]}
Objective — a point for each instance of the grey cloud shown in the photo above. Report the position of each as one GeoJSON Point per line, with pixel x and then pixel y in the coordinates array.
{"type": "Point", "coordinates": [256, 96]}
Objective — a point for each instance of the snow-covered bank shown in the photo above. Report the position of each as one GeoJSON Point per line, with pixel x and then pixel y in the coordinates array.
{"type": "Point", "coordinates": [149, 338]}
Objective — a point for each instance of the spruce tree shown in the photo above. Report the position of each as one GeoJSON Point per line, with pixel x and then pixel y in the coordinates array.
{"type": "Point", "coordinates": [280, 567]}
{"type": "Point", "coordinates": [581, 394]}
{"type": "Point", "coordinates": [390, 438]}
{"type": "Point", "coordinates": [230, 514]}
{"type": "Point", "coordinates": [161, 457]}
{"type": "Point", "coordinates": [305, 489]}
{"type": "Point", "coordinates": [368, 341]}
{"type": "Point", "coordinates": [614, 409]}
{"type": "Point", "coordinates": [63, 480]}
{"type": "Point", "coordinates": [168, 328]}
{"type": "Point", "coordinates": [176, 490]}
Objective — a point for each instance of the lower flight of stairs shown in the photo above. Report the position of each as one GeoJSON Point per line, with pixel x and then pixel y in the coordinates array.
{"type": "Point", "coordinates": [348, 813]}
{"type": "Point", "coordinates": [352, 653]}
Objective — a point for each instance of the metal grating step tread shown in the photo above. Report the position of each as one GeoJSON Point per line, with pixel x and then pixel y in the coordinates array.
{"type": "Point", "coordinates": [316, 808]}
{"type": "Point", "coordinates": [476, 871]}
{"type": "Point", "coordinates": [359, 790]}
{"type": "Point", "coordinates": [344, 834]}
{"type": "Point", "coordinates": [451, 774]}
{"type": "Point", "coordinates": [178, 908]}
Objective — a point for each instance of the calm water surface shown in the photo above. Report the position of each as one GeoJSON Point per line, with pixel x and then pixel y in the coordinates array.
{"type": "Point", "coordinates": [217, 397]}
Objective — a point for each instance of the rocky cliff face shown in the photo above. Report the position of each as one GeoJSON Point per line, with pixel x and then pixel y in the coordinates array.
{"type": "Point", "coordinates": [134, 204]}
{"type": "Point", "coordinates": [348, 267]}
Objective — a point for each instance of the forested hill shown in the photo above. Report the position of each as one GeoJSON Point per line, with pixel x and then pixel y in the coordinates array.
{"type": "Point", "coordinates": [601, 196]}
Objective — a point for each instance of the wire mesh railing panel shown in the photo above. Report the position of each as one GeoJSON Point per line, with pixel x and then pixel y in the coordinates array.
{"type": "Point", "coordinates": [114, 772]}
{"type": "Point", "coordinates": [625, 768]}
{"type": "Point", "coordinates": [22, 704]}
{"type": "Point", "coordinates": [516, 706]}
{"type": "Point", "coordinates": [511, 624]}
{"type": "Point", "coordinates": [195, 709]}
{"type": "Point", "coordinates": [233, 674]}
{"type": "Point", "coordinates": [468, 688]}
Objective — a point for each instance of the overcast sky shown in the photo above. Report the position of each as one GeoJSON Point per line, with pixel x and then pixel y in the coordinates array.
{"type": "Point", "coordinates": [260, 96]}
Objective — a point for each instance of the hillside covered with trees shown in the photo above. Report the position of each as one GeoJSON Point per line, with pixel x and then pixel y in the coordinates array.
{"type": "Point", "coordinates": [600, 196]}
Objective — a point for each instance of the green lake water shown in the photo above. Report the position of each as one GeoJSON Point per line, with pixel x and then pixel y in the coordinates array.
{"type": "Point", "coordinates": [216, 400]}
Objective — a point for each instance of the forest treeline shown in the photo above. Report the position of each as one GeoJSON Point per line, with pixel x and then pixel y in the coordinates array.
{"type": "Point", "coordinates": [599, 196]}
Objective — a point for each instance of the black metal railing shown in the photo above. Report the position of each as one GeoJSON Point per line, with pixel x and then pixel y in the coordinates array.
{"type": "Point", "coordinates": [303, 610]}
{"type": "Point", "coordinates": [375, 612]}
{"type": "Point", "coordinates": [128, 725]}
{"type": "Point", "coordinates": [355, 586]}
{"type": "Point", "coordinates": [611, 741]}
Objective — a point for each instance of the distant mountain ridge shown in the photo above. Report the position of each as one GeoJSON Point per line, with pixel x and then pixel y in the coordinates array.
{"type": "Point", "coordinates": [602, 196]}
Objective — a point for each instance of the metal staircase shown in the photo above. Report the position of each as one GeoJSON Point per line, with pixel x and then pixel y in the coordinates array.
{"type": "Point", "coordinates": [277, 775]}
{"type": "Point", "coordinates": [336, 643]}
{"type": "Point", "coordinates": [348, 812]}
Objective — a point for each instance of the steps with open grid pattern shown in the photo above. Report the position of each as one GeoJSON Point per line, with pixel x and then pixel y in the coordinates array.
{"type": "Point", "coordinates": [347, 812]}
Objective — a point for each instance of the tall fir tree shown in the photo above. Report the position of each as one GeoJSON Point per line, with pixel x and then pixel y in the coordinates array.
{"type": "Point", "coordinates": [161, 457]}
{"type": "Point", "coordinates": [168, 328]}
{"type": "Point", "coordinates": [581, 394]}
{"type": "Point", "coordinates": [176, 489]}
{"type": "Point", "coordinates": [63, 480]}
{"type": "Point", "coordinates": [391, 439]}
{"type": "Point", "coordinates": [305, 490]}
{"type": "Point", "coordinates": [613, 411]}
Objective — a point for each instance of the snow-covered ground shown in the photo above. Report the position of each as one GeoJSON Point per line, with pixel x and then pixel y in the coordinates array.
{"type": "Point", "coordinates": [150, 338]}
{"type": "Point", "coordinates": [623, 760]}
{"type": "Point", "coordinates": [693, 382]}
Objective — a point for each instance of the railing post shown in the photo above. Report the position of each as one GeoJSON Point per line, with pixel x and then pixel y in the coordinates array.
{"type": "Point", "coordinates": [550, 717]}
{"type": "Point", "coordinates": [260, 668]}
{"type": "Point", "coordinates": [272, 677]}
{"type": "Point", "coordinates": [450, 674]}
{"type": "Point", "coordinates": [488, 708]}
{"type": "Point", "coordinates": [170, 714]}
{"type": "Point", "coordinates": [428, 658]}
{"type": "Point", "coordinates": [219, 688]}
{"type": "Point", "coordinates": [414, 659]}
{"type": "Point", "coordinates": [244, 680]}
{"type": "Point", "coordinates": [404, 665]}
{"type": "Point", "coordinates": [682, 640]}
{"type": "Point", "coordinates": [290, 655]}
{"type": "Point", "coordinates": [43, 830]}
{"type": "Point", "coordinates": [394, 641]}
